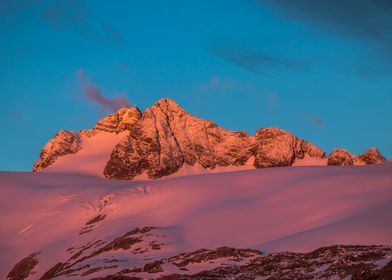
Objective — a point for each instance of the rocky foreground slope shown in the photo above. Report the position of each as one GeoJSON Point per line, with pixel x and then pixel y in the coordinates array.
{"type": "Point", "coordinates": [334, 262]}
{"type": "Point", "coordinates": [165, 138]}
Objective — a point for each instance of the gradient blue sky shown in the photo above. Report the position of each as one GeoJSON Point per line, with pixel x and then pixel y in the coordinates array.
{"type": "Point", "coordinates": [319, 69]}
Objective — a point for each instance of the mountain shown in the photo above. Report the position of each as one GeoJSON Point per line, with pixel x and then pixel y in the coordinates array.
{"type": "Point", "coordinates": [252, 223]}
{"type": "Point", "coordinates": [166, 140]}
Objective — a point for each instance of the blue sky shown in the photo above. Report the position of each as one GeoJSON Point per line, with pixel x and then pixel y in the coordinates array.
{"type": "Point", "coordinates": [319, 69]}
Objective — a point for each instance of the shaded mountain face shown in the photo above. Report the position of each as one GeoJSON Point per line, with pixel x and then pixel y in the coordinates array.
{"type": "Point", "coordinates": [164, 138]}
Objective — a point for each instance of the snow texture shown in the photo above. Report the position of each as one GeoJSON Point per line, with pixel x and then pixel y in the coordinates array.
{"type": "Point", "coordinates": [85, 222]}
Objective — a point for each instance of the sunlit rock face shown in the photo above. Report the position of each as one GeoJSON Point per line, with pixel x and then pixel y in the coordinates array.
{"type": "Point", "coordinates": [120, 121]}
{"type": "Point", "coordinates": [70, 142]}
{"type": "Point", "coordinates": [63, 143]}
{"type": "Point", "coordinates": [372, 156]}
{"type": "Point", "coordinates": [343, 157]}
{"type": "Point", "coordinates": [277, 147]}
{"type": "Point", "coordinates": [340, 157]}
{"type": "Point", "coordinates": [167, 136]}
{"type": "Point", "coordinates": [307, 148]}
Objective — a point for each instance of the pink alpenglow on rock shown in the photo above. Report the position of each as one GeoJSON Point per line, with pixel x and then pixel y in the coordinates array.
{"type": "Point", "coordinates": [277, 147]}
{"type": "Point", "coordinates": [372, 156]}
{"type": "Point", "coordinates": [165, 140]}
{"type": "Point", "coordinates": [340, 157]}
{"type": "Point", "coordinates": [167, 137]}
{"type": "Point", "coordinates": [120, 121]}
{"type": "Point", "coordinates": [63, 143]}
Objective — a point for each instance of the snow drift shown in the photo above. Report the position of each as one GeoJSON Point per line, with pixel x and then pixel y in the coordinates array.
{"type": "Point", "coordinates": [294, 208]}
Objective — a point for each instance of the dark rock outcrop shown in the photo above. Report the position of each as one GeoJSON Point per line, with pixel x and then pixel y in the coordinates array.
{"type": "Point", "coordinates": [340, 157]}
{"type": "Point", "coordinates": [334, 262]}
{"type": "Point", "coordinates": [24, 268]}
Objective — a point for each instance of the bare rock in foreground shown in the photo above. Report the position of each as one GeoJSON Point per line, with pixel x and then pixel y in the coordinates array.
{"type": "Point", "coordinates": [24, 268]}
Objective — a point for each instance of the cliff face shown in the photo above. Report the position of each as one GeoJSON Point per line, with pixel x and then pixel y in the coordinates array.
{"type": "Point", "coordinates": [120, 121]}
{"type": "Point", "coordinates": [276, 147]}
{"type": "Point", "coordinates": [165, 137]}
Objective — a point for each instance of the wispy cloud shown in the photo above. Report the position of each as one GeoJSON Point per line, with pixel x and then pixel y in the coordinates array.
{"type": "Point", "coordinates": [94, 95]}
{"type": "Point", "coordinates": [316, 120]}
{"type": "Point", "coordinates": [121, 65]}
{"type": "Point", "coordinates": [273, 101]}
{"type": "Point", "coordinates": [15, 115]}
{"type": "Point", "coordinates": [217, 83]}
{"type": "Point", "coordinates": [113, 34]}
{"type": "Point", "coordinates": [12, 6]}
{"type": "Point", "coordinates": [74, 15]}
{"type": "Point", "coordinates": [255, 61]}
{"type": "Point", "coordinates": [368, 20]}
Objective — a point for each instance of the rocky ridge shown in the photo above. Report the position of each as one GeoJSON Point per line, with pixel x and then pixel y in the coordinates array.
{"type": "Point", "coordinates": [104, 260]}
{"type": "Point", "coordinates": [342, 157]}
{"type": "Point", "coordinates": [120, 121]}
{"type": "Point", "coordinates": [63, 143]}
{"type": "Point", "coordinates": [165, 137]}
{"type": "Point", "coordinates": [70, 142]}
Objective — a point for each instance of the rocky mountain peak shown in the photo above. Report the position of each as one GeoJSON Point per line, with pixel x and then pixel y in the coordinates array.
{"type": "Point", "coordinates": [372, 156]}
{"type": "Point", "coordinates": [277, 147]}
{"type": "Point", "coordinates": [63, 143]}
{"type": "Point", "coordinates": [340, 157]}
{"type": "Point", "coordinates": [120, 121]}
{"type": "Point", "coordinates": [168, 105]}
{"type": "Point", "coordinates": [343, 157]}
{"type": "Point", "coordinates": [165, 137]}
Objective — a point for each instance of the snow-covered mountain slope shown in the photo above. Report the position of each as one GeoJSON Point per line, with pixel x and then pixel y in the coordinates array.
{"type": "Point", "coordinates": [59, 225]}
{"type": "Point", "coordinates": [92, 157]}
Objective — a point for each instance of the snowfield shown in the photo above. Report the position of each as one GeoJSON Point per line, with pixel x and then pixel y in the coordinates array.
{"type": "Point", "coordinates": [99, 227]}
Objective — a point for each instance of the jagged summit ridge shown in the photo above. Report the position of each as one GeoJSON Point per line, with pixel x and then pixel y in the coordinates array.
{"type": "Point", "coordinates": [120, 121]}
{"type": "Point", "coordinates": [165, 138]}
